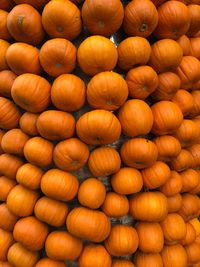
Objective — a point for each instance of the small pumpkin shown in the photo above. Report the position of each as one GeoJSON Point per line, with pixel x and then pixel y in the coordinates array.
{"type": "Point", "coordinates": [122, 263]}
{"type": "Point", "coordinates": [173, 185]}
{"type": "Point", "coordinates": [4, 45]}
{"type": "Point", "coordinates": [6, 186]}
{"type": "Point", "coordinates": [182, 162]}
{"type": "Point", "coordinates": [7, 5]}
{"type": "Point", "coordinates": [38, 4]}
{"type": "Point", "coordinates": [195, 50]}
{"type": "Point", "coordinates": [194, 12]}
{"type": "Point", "coordinates": [47, 262]}
{"type": "Point", "coordinates": [190, 206]}
{"type": "Point", "coordinates": [190, 235]}
{"type": "Point", "coordinates": [7, 78]}
{"type": "Point", "coordinates": [6, 242]}
{"type": "Point", "coordinates": [174, 255]}
{"type": "Point", "coordinates": [193, 252]}
{"type": "Point", "coordinates": [147, 260]}
{"type": "Point", "coordinates": [195, 152]}
{"type": "Point", "coordinates": [9, 165]}
{"type": "Point", "coordinates": [174, 203]}
{"type": "Point", "coordinates": [4, 33]}
{"type": "Point", "coordinates": [185, 44]}
{"type": "Point", "coordinates": [184, 100]}
{"type": "Point", "coordinates": [190, 179]}
{"type": "Point", "coordinates": [28, 122]}
{"type": "Point", "coordinates": [7, 219]}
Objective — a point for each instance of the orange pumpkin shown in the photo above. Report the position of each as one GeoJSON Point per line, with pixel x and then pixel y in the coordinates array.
{"type": "Point", "coordinates": [90, 55]}
{"type": "Point", "coordinates": [70, 155]}
{"type": "Point", "coordinates": [92, 193]}
{"type": "Point", "coordinates": [7, 78]}
{"type": "Point", "coordinates": [4, 33]}
{"type": "Point", "coordinates": [149, 206]}
{"type": "Point", "coordinates": [103, 18]}
{"type": "Point", "coordinates": [174, 203]}
{"type": "Point", "coordinates": [122, 263]}
{"type": "Point", "coordinates": [184, 100]}
{"type": "Point", "coordinates": [38, 4]}
{"type": "Point", "coordinates": [131, 54]}
{"type": "Point", "coordinates": [190, 206]}
{"type": "Point", "coordinates": [196, 100]}
{"type": "Point", "coordinates": [98, 127]}
{"type": "Point", "coordinates": [151, 239]}
{"type": "Point", "coordinates": [195, 44]}
{"type": "Point", "coordinates": [174, 255]}
{"type": "Point", "coordinates": [25, 24]}
{"type": "Point", "coordinates": [68, 92]}
{"type": "Point", "coordinates": [173, 185]}
{"type": "Point", "coordinates": [196, 86]}
{"type": "Point", "coordinates": [28, 122]}
{"type": "Point", "coordinates": [182, 162]}
{"type": "Point", "coordinates": [7, 219]}
{"type": "Point", "coordinates": [139, 22]}
{"type": "Point", "coordinates": [157, 3]}
{"type": "Point", "coordinates": [6, 186]}
{"type": "Point", "coordinates": [88, 224]}
{"type": "Point", "coordinates": [190, 179]}
{"type": "Point", "coordinates": [46, 262]}
{"type": "Point", "coordinates": [6, 242]}
{"type": "Point", "coordinates": [51, 211]}
{"type": "Point", "coordinates": [190, 235]}
{"type": "Point", "coordinates": [166, 55]}
{"type": "Point", "coordinates": [1, 136]}
{"type": "Point", "coordinates": [195, 152]}
{"type": "Point", "coordinates": [31, 92]}
{"type": "Point", "coordinates": [185, 44]}
{"type": "Point", "coordinates": [141, 81]}
{"type": "Point", "coordinates": [193, 252]}
{"type": "Point", "coordinates": [196, 224]}
{"type": "Point", "coordinates": [9, 165]}
{"type": "Point", "coordinates": [135, 117]}
{"type": "Point", "coordinates": [127, 181]}
{"type": "Point", "coordinates": [59, 185]}
{"type": "Point", "coordinates": [194, 13]}
{"type": "Point", "coordinates": [147, 260]}
{"type": "Point", "coordinates": [139, 153]}
{"type": "Point", "coordinates": [113, 95]}
{"type": "Point", "coordinates": [6, 5]}
{"type": "Point", "coordinates": [122, 241]}
{"type": "Point", "coordinates": [94, 255]}
{"type": "Point", "coordinates": [196, 190]}
{"type": "Point", "coordinates": [4, 45]}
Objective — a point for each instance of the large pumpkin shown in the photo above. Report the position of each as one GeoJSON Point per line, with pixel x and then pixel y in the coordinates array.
{"type": "Point", "coordinates": [147, 260]}
{"type": "Point", "coordinates": [184, 100]}
{"type": "Point", "coordinates": [190, 179]}
{"type": "Point", "coordinates": [173, 185]}
{"type": "Point", "coordinates": [7, 78]}
{"type": "Point", "coordinates": [4, 33]}
{"type": "Point", "coordinates": [9, 164]}
{"type": "Point", "coordinates": [182, 162]}
{"type": "Point", "coordinates": [7, 219]}
{"type": "Point", "coordinates": [28, 122]}
{"type": "Point", "coordinates": [174, 255]}
{"type": "Point", "coordinates": [4, 45]}
{"type": "Point", "coordinates": [6, 242]}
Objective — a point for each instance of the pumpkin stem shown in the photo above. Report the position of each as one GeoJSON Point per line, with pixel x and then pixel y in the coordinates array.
{"type": "Point", "coordinates": [59, 29]}
{"type": "Point", "coordinates": [20, 21]}
{"type": "Point", "coordinates": [109, 102]}
{"type": "Point", "coordinates": [101, 24]}
{"type": "Point", "coordinates": [58, 65]}
{"type": "Point", "coordinates": [74, 162]}
{"type": "Point", "coordinates": [143, 27]}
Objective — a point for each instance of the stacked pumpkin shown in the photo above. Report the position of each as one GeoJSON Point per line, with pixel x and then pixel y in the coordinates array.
{"type": "Point", "coordinates": [99, 143]}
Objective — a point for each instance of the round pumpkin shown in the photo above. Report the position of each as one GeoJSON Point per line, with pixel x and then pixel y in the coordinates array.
{"type": "Point", "coordinates": [196, 224]}
{"type": "Point", "coordinates": [193, 252]}
{"type": "Point", "coordinates": [184, 100]}
{"type": "Point", "coordinates": [185, 44]}
{"type": "Point", "coordinates": [4, 33]}
{"type": "Point", "coordinates": [46, 262]}
{"type": "Point", "coordinates": [7, 78]}
{"type": "Point", "coordinates": [6, 186]}
{"type": "Point", "coordinates": [182, 162]}
{"type": "Point", "coordinates": [147, 260]}
{"type": "Point", "coordinates": [7, 219]}
{"type": "Point", "coordinates": [195, 111]}
{"type": "Point", "coordinates": [190, 179]}
{"type": "Point", "coordinates": [174, 255]}
{"type": "Point", "coordinates": [190, 235]}
{"type": "Point", "coordinates": [1, 136]}
{"type": "Point", "coordinates": [174, 203]}
{"type": "Point", "coordinates": [194, 13]}
{"type": "Point", "coordinates": [190, 206]}
{"type": "Point", "coordinates": [122, 263]}
{"type": "Point", "coordinates": [195, 44]}
{"type": "Point", "coordinates": [6, 242]}
{"type": "Point", "coordinates": [195, 152]}
{"type": "Point", "coordinates": [4, 45]}
{"type": "Point", "coordinates": [28, 122]}
{"type": "Point", "coordinates": [9, 165]}
{"type": "Point", "coordinates": [7, 5]}
{"type": "Point", "coordinates": [173, 185]}
{"type": "Point", "coordinates": [38, 4]}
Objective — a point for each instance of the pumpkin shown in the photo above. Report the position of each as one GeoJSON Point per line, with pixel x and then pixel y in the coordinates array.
{"type": "Point", "coordinates": [9, 114]}
{"type": "Point", "coordinates": [196, 224]}
{"type": "Point", "coordinates": [166, 55]}
{"type": "Point", "coordinates": [135, 117]}
{"type": "Point", "coordinates": [141, 81]}
{"type": "Point", "coordinates": [9, 165]}
{"type": "Point", "coordinates": [173, 185]}
{"type": "Point", "coordinates": [149, 206]}
{"type": "Point", "coordinates": [104, 161]}
{"type": "Point", "coordinates": [174, 203]}
{"type": "Point", "coordinates": [185, 44]}
{"type": "Point", "coordinates": [193, 252]}
{"type": "Point", "coordinates": [38, 151]}
{"type": "Point", "coordinates": [68, 92]}
{"type": "Point", "coordinates": [4, 33]}
{"type": "Point", "coordinates": [157, 3]}
{"type": "Point", "coordinates": [167, 117]}
{"type": "Point", "coordinates": [131, 54]}
{"type": "Point", "coordinates": [21, 201]}
{"type": "Point", "coordinates": [6, 5]}
{"type": "Point", "coordinates": [46, 262]}
{"type": "Point", "coordinates": [71, 154]}
{"type": "Point", "coordinates": [38, 4]}
{"type": "Point", "coordinates": [25, 24]}
{"type": "Point", "coordinates": [168, 85]}
{"type": "Point", "coordinates": [19, 256]}
{"type": "Point", "coordinates": [190, 206]}
{"type": "Point", "coordinates": [88, 224]}
{"type": "Point", "coordinates": [127, 181]}
{"type": "Point", "coordinates": [107, 90]}
{"type": "Point", "coordinates": [195, 152]}
{"type": "Point", "coordinates": [196, 107]}
{"type": "Point", "coordinates": [156, 175]}
{"type": "Point", "coordinates": [90, 53]}
{"type": "Point", "coordinates": [115, 205]}
{"type": "Point", "coordinates": [190, 235]}
{"type": "Point", "coordinates": [28, 122]}
{"type": "Point", "coordinates": [7, 219]}
{"type": "Point", "coordinates": [1, 136]}
{"type": "Point", "coordinates": [61, 245]}
{"type": "Point", "coordinates": [13, 142]}
{"type": "Point", "coordinates": [59, 185]}
{"type": "Point", "coordinates": [6, 242]}
{"type": "Point", "coordinates": [55, 125]}
{"type": "Point", "coordinates": [196, 190]}
{"type": "Point", "coordinates": [94, 255]}
{"type": "Point", "coordinates": [91, 193]}
{"type": "Point", "coordinates": [184, 100]}
{"type": "Point", "coordinates": [151, 239]}
{"type": "Point", "coordinates": [182, 162]}
{"type": "Point", "coordinates": [174, 255]}
{"type": "Point", "coordinates": [4, 45]}
{"type": "Point", "coordinates": [6, 186]}
{"type": "Point", "coordinates": [7, 78]}
{"type": "Point", "coordinates": [122, 241]}
{"type": "Point", "coordinates": [103, 18]}
{"type": "Point", "coordinates": [51, 211]}
{"type": "Point", "coordinates": [122, 263]}
{"type": "Point", "coordinates": [31, 92]}
{"type": "Point", "coordinates": [139, 153]}
{"type": "Point", "coordinates": [98, 127]}
{"type": "Point", "coordinates": [30, 55]}
{"type": "Point", "coordinates": [58, 56]}
{"type": "Point", "coordinates": [195, 43]}
{"type": "Point", "coordinates": [190, 179]}
{"type": "Point", "coordinates": [147, 260]}
{"type": "Point", "coordinates": [168, 147]}
{"type": "Point", "coordinates": [29, 176]}
{"type": "Point", "coordinates": [194, 12]}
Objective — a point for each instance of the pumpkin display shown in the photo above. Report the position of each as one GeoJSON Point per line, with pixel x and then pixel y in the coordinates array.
{"type": "Point", "coordinates": [6, 242]}
{"type": "Point", "coordinates": [6, 186]}
{"type": "Point", "coordinates": [46, 262]}
{"type": "Point", "coordinates": [185, 44]}
{"type": "Point", "coordinates": [182, 162]}
{"type": "Point", "coordinates": [193, 252]}
{"type": "Point", "coordinates": [190, 206]}
{"type": "Point", "coordinates": [195, 152]}
{"type": "Point", "coordinates": [174, 255]}
{"type": "Point", "coordinates": [173, 185]}
{"type": "Point", "coordinates": [6, 5]}
{"type": "Point", "coordinates": [4, 45]}
{"type": "Point", "coordinates": [174, 203]}
{"type": "Point", "coordinates": [147, 260]}
{"type": "Point", "coordinates": [194, 11]}
{"type": "Point", "coordinates": [7, 78]}
{"type": "Point", "coordinates": [122, 263]}
{"type": "Point", "coordinates": [195, 51]}
{"type": "Point", "coordinates": [190, 235]}
{"type": "Point", "coordinates": [38, 4]}
{"type": "Point", "coordinates": [4, 33]}
{"type": "Point", "coordinates": [196, 107]}
{"type": "Point", "coordinates": [7, 219]}
{"type": "Point", "coordinates": [190, 179]}
{"type": "Point", "coordinates": [9, 165]}
{"type": "Point", "coordinates": [28, 122]}
{"type": "Point", "coordinates": [184, 100]}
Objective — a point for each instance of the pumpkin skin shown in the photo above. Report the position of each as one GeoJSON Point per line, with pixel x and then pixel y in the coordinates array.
{"type": "Point", "coordinates": [174, 255]}
{"type": "Point", "coordinates": [196, 224]}
{"type": "Point", "coordinates": [90, 55]}
{"type": "Point", "coordinates": [190, 206]}
{"type": "Point", "coordinates": [4, 33]}
{"type": "Point", "coordinates": [127, 181]}
{"type": "Point", "coordinates": [139, 22]}
{"type": "Point", "coordinates": [190, 179]}
{"type": "Point", "coordinates": [6, 186]}
{"type": "Point", "coordinates": [136, 118]}
{"type": "Point", "coordinates": [196, 107]}
{"type": "Point", "coordinates": [98, 127]}
{"type": "Point", "coordinates": [58, 56]}
{"type": "Point", "coordinates": [173, 185]}
{"type": "Point", "coordinates": [190, 235]}
{"type": "Point", "coordinates": [195, 43]}
{"type": "Point", "coordinates": [103, 18]}
{"type": "Point", "coordinates": [4, 45]}
{"type": "Point", "coordinates": [25, 24]}
{"type": "Point", "coordinates": [68, 92]}
{"type": "Point", "coordinates": [9, 165]}
{"type": "Point", "coordinates": [131, 54]}
{"type": "Point", "coordinates": [122, 263]}
{"type": "Point", "coordinates": [194, 12]}
{"type": "Point", "coordinates": [7, 78]}
{"type": "Point", "coordinates": [174, 203]}
{"type": "Point", "coordinates": [29, 176]}
{"type": "Point", "coordinates": [6, 242]}
{"type": "Point", "coordinates": [184, 100]}
{"type": "Point", "coordinates": [46, 262]}
{"type": "Point", "coordinates": [56, 125]}
{"type": "Point", "coordinates": [167, 117]}
{"type": "Point", "coordinates": [148, 260]}
{"type": "Point", "coordinates": [94, 255]}
{"type": "Point", "coordinates": [122, 241]}
{"type": "Point", "coordinates": [193, 252]}
{"type": "Point", "coordinates": [185, 44]}
{"type": "Point", "coordinates": [28, 122]}
{"type": "Point", "coordinates": [38, 4]}
{"type": "Point", "coordinates": [182, 162]}
{"type": "Point", "coordinates": [107, 90]}
{"type": "Point", "coordinates": [92, 193]}
{"type": "Point", "coordinates": [6, 5]}
{"type": "Point", "coordinates": [59, 185]}
{"type": "Point", "coordinates": [141, 81]}
{"type": "Point", "coordinates": [195, 152]}
{"type": "Point", "coordinates": [88, 224]}
{"type": "Point", "coordinates": [39, 151]}
{"type": "Point", "coordinates": [166, 55]}
{"type": "Point", "coordinates": [1, 136]}
{"type": "Point", "coordinates": [31, 92]}
{"type": "Point", "coordinates": [139, 153]}
{"type": "Point", "coordinates": [151, 239]}
{"type": "Point", "coordinates": [7, 219]}
{"type": "Point", "coordinates": [149, 206]}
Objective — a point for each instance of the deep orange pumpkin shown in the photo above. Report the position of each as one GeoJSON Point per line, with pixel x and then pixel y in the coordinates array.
{"type": "Point", "coordinates": [4, 33]}
{"type": "Point", "coordinates": [9, 164]}
{"type": "Point", "coordinates": [7, 5]}
{"type": "Point", "coordinates": [6, 242]}
{"type": "Point", "coordinates": [193, 252]}
{"type": "Point", "coordinates": [195, 152]}
{"type": "Point", "coordinates": [122, 263]}
{"type": "Point", "coordinates": [184, 100]}
{"type": "Point", "coordinates": [182, 162]}
{"type": "Point", "coordinates": [4, 45]}
{"type": "Point", "coordinates": [28, 122]}
{"type": "Point", "coordinates": [7, 219]}
{"type": "Point", "coordinates": [190, 235]}
{"type": "Point", "coordinates": [173, 186]}
{"type": "Point", "coordinates": [190, 206]}
{"type": "Point", "coordinates": [147, 260]}
{"type": "Point", "coordinates": [195, 47]}
{"type": "Point", "coordinates": [174, 203]}
{"type": "Point", "coordinates": [6, 186]}
{"type": "Point", "coordinates": [174, 255]}
{"type": "Point", "coordinates": [185, 44]}
{"type": "Point", "coordinates": [7, 78]}
{"type": "Point", "coordinates": [47, 262]}
{"type": "Point", "coordinates": [194, 13]}
{"type": "Point", "coordinates": [1, 136]}
{"type": "Point", "coordinates": [195, 111]}
{"type": "Point", "coordinates": [190, 179]}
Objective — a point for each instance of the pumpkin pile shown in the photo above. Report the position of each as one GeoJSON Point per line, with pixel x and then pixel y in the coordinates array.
{"type": "Point", "coordinates": [99, 133]}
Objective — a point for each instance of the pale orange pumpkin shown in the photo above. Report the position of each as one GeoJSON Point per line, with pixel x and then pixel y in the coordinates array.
{"type": "Point", "coordinates": [190, 206]}
{"type": "Point", "coordinates": [190, 235]}
{"type": "Point", "coordinates": [174, 203]}
{"type": "Point", "coordinates": [4, 33]}
{"type": "Point", "coordinates": [173, 185]}
{"type": "Point", "coordinates": [193, 252]}
{"type": "Point", "coordinates": [7, 219]}
{"type": "Point", "coordinates": [195, 152]}
{"type": "Point", "coordinates": [9, 165]}
{"type": "Point", "coordinates": [6, 186]}
{"type": "Point", "coordinates": [7, 78]}
{"type": "Point", "coordinates": [190, 179]}
{"type": "Point", "coordinates": [174, 255]}
{"type": "Point", "coordinates": [4, 47]}
{"type": "Point", "coordinates": [6, 242]}
{"type": "Point", "coordinates": [182, 162]}
{"type": "Point", "coordinates": [28, 122]}
{"type": "Point", "coordinates": [195, 50]}
{"type": "Point", "coordinates": [47, 262]}
{"type": "Point", "coordinates": [185, 44]}
{"type": "Point", "coordinates": [147, 260]}
{"type": "Point", "coordinates": [122, 263]}
{"type": "Point", "coordinates": [194, 13]}
{"type": "Point", "coordinates": [184, 100]}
